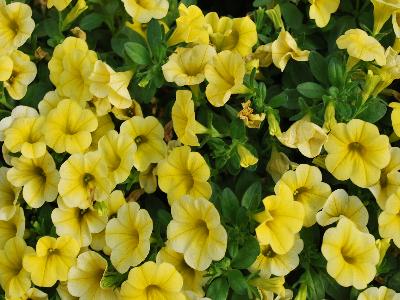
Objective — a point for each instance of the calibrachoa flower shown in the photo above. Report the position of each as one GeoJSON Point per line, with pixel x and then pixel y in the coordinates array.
{"type": "Point", "coordinates": [14, 227]}
{"type": "Point", "coordinates": [247, 158]}
{"type": "Point", "coordinates": [321, 10]}
{"type": "Point", "coordinates": [20, 111]}
{"type": "Point", "coordinates": [389, 219]}
{"type": "Point", "coordinates": [8, 196]}
{"type": "Point", "coordinates": [381, 293]}
{"type": "Point", "coordinates": [58, 4]}
{"type": "Point", "coordinates": [144, 11]}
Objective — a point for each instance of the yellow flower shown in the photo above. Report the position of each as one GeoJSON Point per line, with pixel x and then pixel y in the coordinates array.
{"type": "Point", "coordinates": [114, 202]}
{"type": "Point", "coordinates": [186, 65]}
{"type": "Point", "coordinates": [25, 136]}
{"type": "Point", "coordinates": [339, 205]}
{"type": "Point", "coordinates": [284, 48]}
{"type": "Point", "coordinates": [6, 67]}
{"type": "Point", "coordinates": [351, 254]}
{"type": "Point", "coordinates": [270, 263]}
{"type": "Point", "coordinates": [52, 260]}
{"type": "Point", "coordinates": [16, 25]}
{"type": "Point", "coordinates": [381, 293]}
{"type": "Point", "coordinates": [388, 72]}
{"type": "Point", "coordinates": [305, 136]}
{"type": "Point", "coordinates": [84, 180]}
{"type": "Point", "coordinates": [383, 9]}
{"type": "Point", "coordinates": [23, 73]}
{"type": "Point", "coordinates": [153, 281]}
{"type": "Point", "coordinates": [184, 173]}
{"type": "Point", "coordinates": [396, 25]}
{"type": "Point", "coordinates": [306, 186]}
{"type": "Point", "coordinates": [191, 26]}
{"type": "Point", "coordinates": [263, 54]}
{"type": "Point", "coordinates": [237, 34]}
{"type": "Point", "coordinates": [14, 227]}
{"type": "Point", "coordinates": [14, 280]}
{"type": "Point", "coordinates": [8, 196]}
{"type": "Point", "coordinates": [357, 152]}
{"type": "Point", "coordinates": [127, 113]}
{"type": "Point", "coordinates": [143, 11]}
{"type": "Point", "coordinates": [389, 181]}
{"type": "Point", "coordinates": [38, 177]}
{"type": "Point", "coordinates": [224, 73]}
{"type": "Point", "coordinates": [62, 291]}
{"type": "Point", "coordinates": [105, 124]}
{"type": "Point", "coordinates": [247, 158]}
{"type": "Point", "coordinates": [79, 224]}
{"type": "Point", "coordinates": [361, 46]}
{"type": "Point", "coordinates": [148, 179]}
{"type": "Point", "coordinates": [128, 236]}
{"type": "Point", "coordinates": [278, 164]}
{"type": "Point", "coordinates": [33, 294]}
{"type": "Point", "coordinates": [106, 83]}
{"type": "Point", "coordinates": [117, 151]}
{"type": "Point", "coordinates": [196, 232]}
{"type": "Point", "coordinates": [270, 286]}
{"type": "Point", "coordinates": [85, 276]}
{"type": "Point", "coordinates": [389, 219]}
{"type": "Point", "coordinates": [148, 135]}
{"type": "Point", "coordinates": [70, 68]}
{"type": "Point", "coordinates": [60, 5]}
{"type": "Point", "coordinates": [183, 118]}
{"type": "Point", "coordinates": [68, 127]}
{"type": "Point", "coordinates": [19, 111]}
{"type": "Point", "coordinates": [250, 120]}
{"type": "Point", "coordinates": [49, 101]}
{"type": "Point", "coordinates": [279, 222]}
{"type": "Point", "coordinates": [395, 116]}
{"type": "Point", "coordinates": [192, 279]}
{"type": "Point", "coordinates": [321, 10]}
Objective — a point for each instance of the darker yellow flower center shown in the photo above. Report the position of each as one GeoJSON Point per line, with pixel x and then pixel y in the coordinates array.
{"type": "Point", "coordinates": [299, 191]}
{"type": "Point", "coordinates": [202, 227]}
{"type": "Point", "coordinates": [14, 27]}
{"type": "Point", "coordinates": [87, 178]}
{"type": "Point", "coordinates": [130, 112]}
{"type": "Point", "coordinates": [40, 172]}
{"type": "Point", "coordinates": [267, 251]}
{"type": "Point", "coordinates": [356, 147]}
{"type": "Point", "coordinates": [52, 251]}
{"type": "Point", "coordinates": [153, 291]}
{"type": "Point", "coordinates": [140, 139]}
{"type": "Point", "coordinates": [348, 258]}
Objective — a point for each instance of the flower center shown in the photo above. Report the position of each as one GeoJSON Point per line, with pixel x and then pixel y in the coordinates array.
{"type": "Point", "coordinates": [202, 227]}
{"type": "Point", "coordinates": [39, 172]}
{"type": "Point", "coordinates": [267, 251]}
{"type": "Point", "coordinates": [356, 147]}
{"type": "Point", "coordinates": [139, 139]}
{"type": "Point", "coordinates": [14, 27]}
{"type": "Point", "coordinates": [52, 251]}
{"type": "Point", "coordinates": [348, 258]}
{"type": "Point", "coordinates": [87, 178]}
{"type": "Point", "coordinates": [298, 192]}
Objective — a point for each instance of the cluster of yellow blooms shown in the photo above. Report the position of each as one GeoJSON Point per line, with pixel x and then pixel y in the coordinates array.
{"type": "Point", "coordinates": [69, 151]}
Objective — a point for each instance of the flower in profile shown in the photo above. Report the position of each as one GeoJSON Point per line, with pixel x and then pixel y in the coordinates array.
{"type": "Point", "coordinates": [144, 11]}
{"type": "Point", "coordinates": [16, 25]}
{"type": "Point", "coordinates": [38, 177]}
{"type": "Point", "coordinates": [6, 67]}
{"type": "Point", "coordinates": [114, 202]}
{"type": "Point", "coordinates": [14, 227]}
{"type": "Point", "coordinates": [196, 232]}
{"type": "Point", "coordinates": [357, 151]}
{"type": "Point", "coordinates": [186, 65]}
{"type": "Point", "coordinates": [60, 5]}
{"type": "Point", "coordinates": [278, 164]}
{"type": "Point", "coordinates": [321, 10]}
{"type": "Point", "coordinates": [183, 118]}
{"type": "Point", "coordinates": [340, 205]}
{"type": "Point", "coordinates": [8, 196]}
{"type": "Point", "coordinates": [184, 173]}
{"type": "Point", "coordinates": [125, 114]}
{"type": "Point", "coordinates": [395, 117]}
{"type": "Point", "coordinates": [225, 74]}
{"type": "Point", "coordinates": [250, 120]}
{"type": "Point", "coordinates": [281, 219]}
{"type": "Point", "coordinates": [128, 236]}
{"type": "Point", "coordinates": [389, 72]}
{"type": "Point", "coordinates": [105, 124]}
{"type": "Point", "coordinates": [247, 158]}
{"type": "Point", "coordinates": [381, 293]}
{"type": "Point", "coordinates": [268, 287]}
{"type": "Point", "coordinates": [360, 45]}
{"type": "Point", "coordinates": [52, 260]}
{"type": "Point", "coordinates": [306, 186]}
{"type": "Point", "coordinates": [351, 254]}
{"type": "Point", "coordinates": [284, 48]}
{"type": "Point", "coordinates": [148, 135]}
{"type": "Point", "coordinates": [14, 280]}
{"type": "Point", "coordinates": [68, 127]}
{"type": "Point", "coordinates": [389, 219]}
{"type": "Point", "coordinates": [85, 276]}
{"type": "Point", "coordinates": [383, 9]}
{"type": "Point", "coordinates": [153, 281]}
{"type": "Point", "coordinates": [148, 179]}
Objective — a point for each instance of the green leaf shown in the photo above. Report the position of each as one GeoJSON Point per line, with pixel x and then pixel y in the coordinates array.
{"type": "Point", "coordinates": [91, 21]}
{"type": "Point", "coordinates": [218, 289]}
{"type": "Point", "coordinates": [229, 204]}
{"type": "Point", "coordinates": [247, 254]}
{"type": "Point", "coordinates": [311, 90]}
{"type": "Point", "coordinates": [137, 53]}
{"type": "Point", "coordinates": [315, 286]}
{"type": "Point", "coordinates": [155, 38]}
{"type": "Point", "coordinates": [238, 130]}
{"type": "Point", "coordinates": [336, 71]}
{"type": "Point", "coordinates": [237, 282]}
{"type": "Point", "coordinates": [375, 109]}
{"type": "Point", "coordinates": [278, 100]}
{"type": "Point", "coordinates": [252, 197]}
{"type": "Point", "coordinates": [319, 67]}
{"type": "Point", "coordinates": [292, 15]}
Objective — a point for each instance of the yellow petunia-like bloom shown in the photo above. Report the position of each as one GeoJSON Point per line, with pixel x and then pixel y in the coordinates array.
{"type": "Point", "coordinates": [49, 101]}
{"type": "Point", "coordinates": [183, 119]}
{"type": "Point", "coordinates": [60, 5]}
{"type": "Point", "coordinates": [52, 260]}
{"type": "Point", "coordinates": [128, 236]}
{"type": "Point", "coordinates": [395, 117]}
{"type": "Point", "coordinates": [8, 196]}
{"type": "Point", "coordinates": [84, 180]}
{"type": "Point", "coordinates": [278, 164]}
{"type": "Point", "coordinates": [247, 158]}
{"type": "Point", "coordinates": [6, 67]}
{"type": "Point", "coordinates": [148, 135]}
{"type": "Point", "coordinates": [14, 227]}
{"type": "Point", "coordinates": [143, 11]}
{"type": "Point", "coordinates": [284, 48]}
{"type": "Point", "coordinates": [360, 45]}
{"type": "Point", "coordinates": [20, 111]}
{"type": "Point", "coordinates": [196, 232]}
{"type": "Point", "coordinates": [127, 113]}
{"type": "Point", "coordinates": [184, 173]}
{"type": "Point", "coordinates": [38, 177]}
{"type": "Point", "coordinates": [357, 151]}
{"type": "Point", "coordinates": [186, 65]}
{"type": "Point", "coordinates": [383, 9]}
{"type": "Point", "coordinates": [306, 186]}
{"type": "Point", "coordinates": [153, 281]}
{"type": "Point", "coordinates": [33, 294]}
{"type": "Point", "coordinates": [68, 127]}
{"type": "Point", "coordinates": [14, 280]}
{"type": "Point", "coordinates": [389, 219]}
{"type": "Point", "coordinates": [16, 25]}
{"type": "Point", "coordinates": [381, 293]}
{"type": "Point", "coordinates": [225, 74]}
{"type": "Point", "coordinates": [321, 10]}
{"type": "Point", "coordinates": [85, 276]}
{"type": "Point", "coordinates": [279, 222]}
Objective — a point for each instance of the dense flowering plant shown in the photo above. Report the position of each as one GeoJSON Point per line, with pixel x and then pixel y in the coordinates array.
{"type": "Point", "coordinates": [189, 150]}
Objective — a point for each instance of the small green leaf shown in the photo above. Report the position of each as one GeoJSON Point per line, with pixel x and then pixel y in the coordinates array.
{"type": "Point", "coordinates": [91, 21]}
{"type": "Point", "coordinates": [252, 197]}
{"type": "Point", "coordinates": [218, 289]}
{"type": "Point", "coordinates": [311, 90]}
{"type": "Point", "coordinates": [155, 38]}
{"type": "Point", "coordinates": [229, 204]}
{"type": "Point", "coordinates": [237, 282]}
{"type": "Point", "coordinates": [319, 67]}
{"type": "Point", "coordinates": [247, 254]}
{"type": "Point", "coordinates": [137, 53]}
{"type": "Point", "coordinates": [292, 15]}
{"type": "Point", "coordinates": [375, 109]}
{"type": "Point", "coordinates": [278, 100]}
{"type": "Point", "coordinates": [238, 130]}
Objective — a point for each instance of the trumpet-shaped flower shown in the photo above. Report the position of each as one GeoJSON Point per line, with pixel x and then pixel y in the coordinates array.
{"type": "Point", "coordinates": [389, 219]}
{"type": "Point", "coordinates": [247, 158]}
{"type": "Point", "coordinates": [196, 232]}
{"type": "Point", "coordinates": [60, 5]}
{"type": "Point", "coordinates": [184, 173]}
{"type": "Point", "coordinates": [128, 236]}
{"type": "Point", "coordinates": [277, 165]}
{"type": "Point", "coordinates": [127, 113]}
{"type": "Point", "coordinates": [85, 276]}
{"type": "Point", "coordinates": [383, 9]}
{"type": "Point", "coordinates": [14, 227]}
{"type": "Point", "coordinates": [105, 124]}
{"type": "Point", "coordinates": [357, 151]}
{"type": "Point", "coordinates": [14, 280]}
{"type": "Point", "coordinates": [388, 72]}
{"type": "Point", "coordinates": [153, 281]}
{"type": "Point", "coordinates": [33, 294]}
{"type": "Point", "coordinates": [114, 202]}
{"type": "Point", "coordinates": [351, 254]}
{"type": "Point", "coordinates": [186, 65]}
{"type": "Point", "coordinates": [148, 179]}
{"type": "Point", "coordinates": [8, 196]}
{"type": "Point", "coordinates": [224, 73]}
{"type": "Point", "coordinates": [84, 180]}
{"type": "Point", "coordinates": [68, 127]}
{"type": "Point", "coordinates": [144, 11]}
{"type": "Point", "coordinates": [321, 10]}
{"type": "Point", "coordinates": [250, 119]}
{"type": "Point", "coordinates": [381, 293]}
{"type": "Point", "coordinates": [52, 260]}
{"type": "Point", "coordinates": [306, 186]}
{"type": "Point", "coordinates": [38, 177]}
{"type": "Point", "coordinates": [148, 135]}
